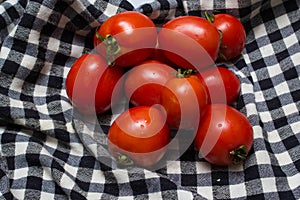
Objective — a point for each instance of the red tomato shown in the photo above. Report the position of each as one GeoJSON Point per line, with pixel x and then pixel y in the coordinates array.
{"type": "Point", "coordinates": [90, 84]}
{"type": "Point", "coordinates": [190, 42]}
{"type": "Point", "coordinates": [233, 35]}
{"type": "Point", "coordinates": [184, 100]}
{"type": "Point", "coordinates": [158, 55]}
{"type": "Point", "coordinates": [126, 39]}
{"type": "Point", "coordinates": [139, 135]}
{"type": "Point", "coordinates": [222, 85]}
{"type": "Point", "coordinates": [144, 82]}
{"type": "Point", "coordinates": [224, 136]}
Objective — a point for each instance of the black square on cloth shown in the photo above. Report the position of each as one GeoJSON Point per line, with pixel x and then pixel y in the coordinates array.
{"type": "Point", "coordinates": [19, 46]}
{"type": "Point", "coordinates": [138, 187]}
{"type": "Point", "coordinates": [67, 36]}
{"type": "Point", "coordinates": [55, 82]}
{"type": "Point", "coordinates": [61, 155]}
{"type": "Point", "coordinates": [282, 55]}
{"type": "Point", "coordinates": [297, 164]}
{"type": "Point", "coordinates": [33, 159]}
{"type": "Point", "coordinates": [83, 184]}
{"type": "Point", "coordinates": [12, 67]}
{"type": "Point", "coordinates": [125, 4]}
{"type": "Point", "coordinates": [273, 103]}
{"type": "Point", "coordinates": [296, 95]}
{"type": "Point", "coordinates": [256, 197]}
{"type": "Point", "coordinates": [60, 6]}
{"type": "Point", "coordinates": [296, 25]}
{"type": "Point", "coordinates": [87, 162]}
{"type": "Point", "coordinates": [188, 179]}
{"type": "Point", "coordinates": [290, 74]}
{"type": "Point", "coordinates": [79, 21]}
{"type": "Point", "coordinates": [10, 160]}
{"type": "Point", "coordinates": [280, 122]}
{"type": "Point", "coordinates": [278, 171]}
{"type": "Point", "coordinates": [28, 21]}
{"type": "Point", "coordinates": [219, 178]}
{"type": "Point", "coordinates": [111, 188]}
{"type": "Point", "coordinates": [40, 113]}
{"type": "Point", "coordinates": [286, 195]}
{"type": "Point", "coordinates": [266, 84]}
{"type": "Point", "coordinates": [252, 173]}
{"type": "Point", "coordinates": [290, 6]}
{"type": "Point", "coordinates": [32, 77]}
{"type": "Point", "coordinates": [48, 29]}
{"type": "Point", "coordinates": [275, 36]}
{"type": "Point", "coordinates": [291, 142]}
{"type": "Point", "coordinates": [58, 190]}
{"type": "Point", "coordinates": [34, 183]}
{"type": "Point", "coordinates": [76, 195]}
{"type": "Point", "coordinates": [267, 14]}
{"type": "Point", "coordinates": [13, 13]}
{"type": "Point", "coordinates": [167, 184]}
{"type": "Point", "coordinates": [60, 59]}
{"type": "Point", "coordinates": [2, 23]}
{"type": "Point", "coordinates": [259, 64]}
{"type": "Point", "coordinates": [251, 47]}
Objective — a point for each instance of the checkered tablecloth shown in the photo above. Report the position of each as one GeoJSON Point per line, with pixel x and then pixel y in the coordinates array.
{"type": "Point", "coordinates": [46, 153]}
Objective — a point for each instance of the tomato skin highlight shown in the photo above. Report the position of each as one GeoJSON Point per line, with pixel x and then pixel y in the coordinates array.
{"type": "Point", "coordinates": [144, 82]}
{"type": "Point", "coordinates": [184, 100]}
{"type": "Point", "coordinates": [222, 130]}
{"type": "Point", "coordinates": [221, 84]}
{"type": "Point", "coordinates": [190, 42]}
{"type": "Point", "coordinates": [90, 84]}
{"type": "Point", "coordinates": [233, 35]}
{"type": "Point", "coordinates": [141, 134]}
{"type": "Point", "coordinates": [135, 34]}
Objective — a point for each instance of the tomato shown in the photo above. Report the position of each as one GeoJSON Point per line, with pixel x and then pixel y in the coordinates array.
{"type": "Point", "coordinates": [144, 82]}
{"type": "Point", "coordinates": [158, 55]}
{"type": "Point", "coordinates": [190, 42]}
{"type": "Point", "coordinates": [224, 136]}
{"type": "Point", "coordinates": [221, 84]}
{"type": "Point", "coordinates": [233, 35]}
{"type": "Point", "coordinates": [90, 84]}
{"type": "Point", "coordinates": [139, 135]}
{"type": "Point", "coordinates": [126, 38]}
{"type": "Point", "coordinates": [184, 99]}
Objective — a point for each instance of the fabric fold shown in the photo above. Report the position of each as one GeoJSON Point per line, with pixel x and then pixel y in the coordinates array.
{"type": "Point", "coordinates": [48, 152]}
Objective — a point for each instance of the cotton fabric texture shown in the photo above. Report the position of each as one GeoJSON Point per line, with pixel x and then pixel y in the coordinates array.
{"type": "Point", "coordinates": [46, 153]}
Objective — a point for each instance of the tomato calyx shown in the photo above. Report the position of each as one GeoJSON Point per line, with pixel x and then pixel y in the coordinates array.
{"type": "Point", "coordinates": [112, 48]}
{"type": "Point", "coordinates": [211, 19]}
{"type": "Point", "coordinates": [185, 73]}
{"type": "Point", "coordinates": [222, 46]}
{"type": "Point", "coordinates": [238, 155]}
{"type": "Point", "coordinates": [124, 160]}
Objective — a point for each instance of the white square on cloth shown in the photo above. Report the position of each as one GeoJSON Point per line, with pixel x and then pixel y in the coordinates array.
{"type": "Point", "coordinates": [237, 190]}
{"type": "Point", "coordinates": [138, 3]}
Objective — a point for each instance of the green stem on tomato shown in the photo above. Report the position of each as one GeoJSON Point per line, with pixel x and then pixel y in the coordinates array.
{"type": "Point", "coordinates": [124, 160]}
{"type": "Point", "coordinates": [239, 154]}
{"type": "Point", "coordinates": [112, 48]}
{"type": "Point", "coordinates": [222, 46]}
{"type": "Point", "coordinates": [184, 73]}
{"type": "Point", "coordinates": [222, 56]}
{"type": "Point", "coordinates": [99, 37]}
{"type": "Point", "coordinates": [209, 17]}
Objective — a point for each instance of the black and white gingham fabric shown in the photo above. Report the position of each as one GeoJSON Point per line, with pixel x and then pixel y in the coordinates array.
{"type": "Point", "coordinates": [46, 153]}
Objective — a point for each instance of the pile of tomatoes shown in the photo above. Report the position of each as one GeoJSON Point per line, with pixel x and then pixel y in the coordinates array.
{"type": "Point", "coordinates": [169, 78]}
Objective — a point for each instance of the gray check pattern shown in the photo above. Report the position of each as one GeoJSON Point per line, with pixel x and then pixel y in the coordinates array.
{"type": "Point", "coordinates": [46, 152]}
